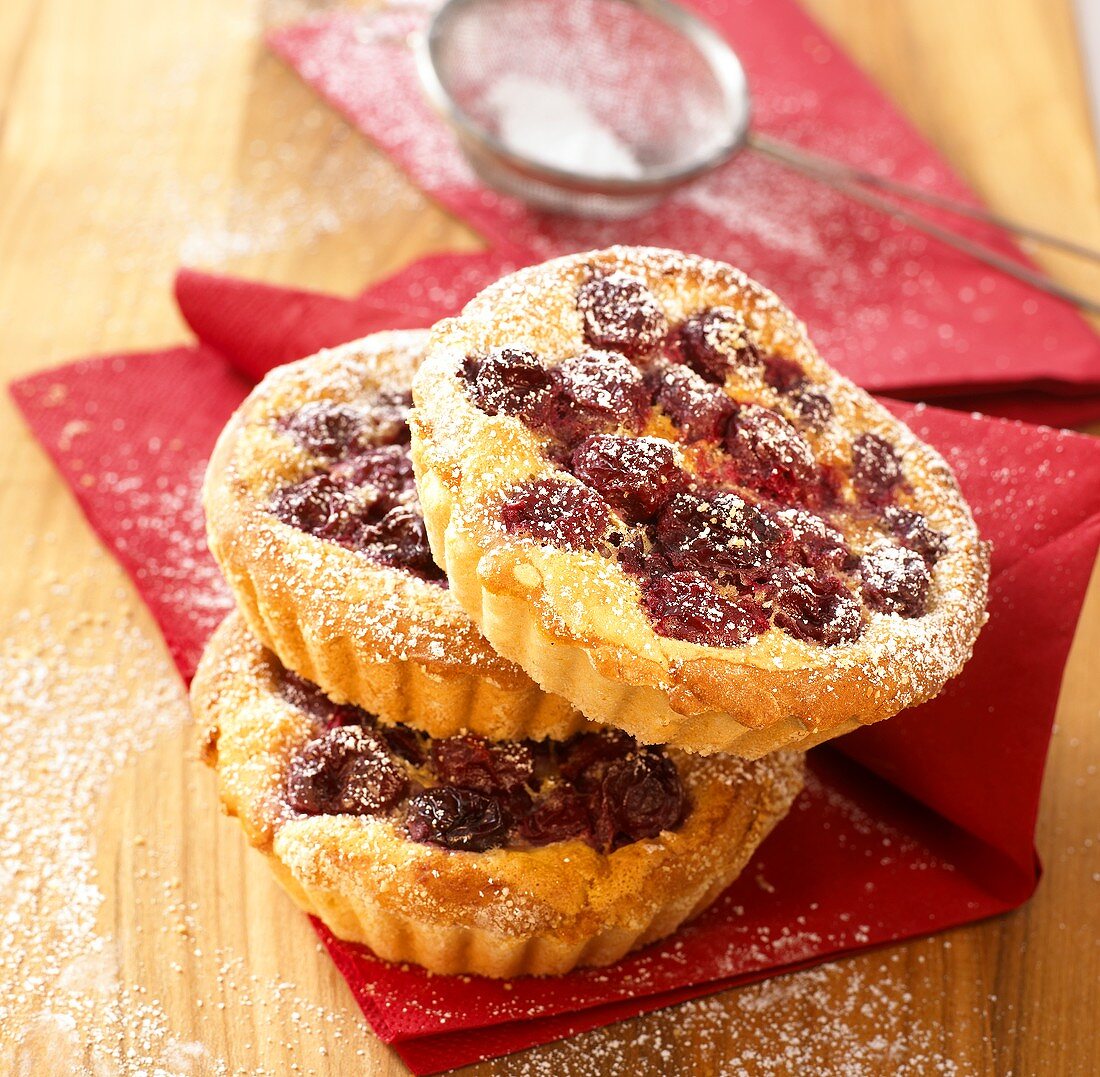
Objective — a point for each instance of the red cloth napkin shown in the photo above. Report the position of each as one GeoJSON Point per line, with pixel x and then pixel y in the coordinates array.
{"type": "Point", "coordinates": [906, 828]}
{"type": "Point", "coordinates": [896, 311]}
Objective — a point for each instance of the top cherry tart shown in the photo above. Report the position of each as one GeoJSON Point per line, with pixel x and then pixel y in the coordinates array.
{"type": "Point", "coordinates": [466, 855]}
{"type": "Point", "coordinates": [313, 516]}
{"type": "Point", "coordinates": [652, 493]}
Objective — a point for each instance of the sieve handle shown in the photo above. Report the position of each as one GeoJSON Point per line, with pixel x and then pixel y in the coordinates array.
{"type": "Point", "coordinates": [860, 185]}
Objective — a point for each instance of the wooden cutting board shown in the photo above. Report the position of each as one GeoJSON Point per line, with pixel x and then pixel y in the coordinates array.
{"type": "Point", "coordinates": [134, 136]}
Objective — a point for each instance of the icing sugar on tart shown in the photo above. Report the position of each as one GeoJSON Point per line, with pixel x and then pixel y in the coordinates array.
{"type": "Point", "coordinates": [464, 855]}
{"type": "Point", "coordinates": [313, 516]}
{"type": "Point", "coordinates": [652, 494]}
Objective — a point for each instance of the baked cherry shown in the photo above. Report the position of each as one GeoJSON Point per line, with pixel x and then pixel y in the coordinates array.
{"type": "Point", "coordinates": [619, 312]}
{"type": "Point", "coordinates": [895, 580]}
{"type": "Point", "coordinates": [639, 797]}
{"type": "Point", "coordinates": [405, 742]}
{"type": "Point", "coordinates": [769, 453]}
{"type": "Point", "coordinates": [307, 697]}
{"type": "Point", "coordinates": [718, 533]}
{"type": "Point", "coordinates": [558, 513]}
{"type": "Point", "coordinates": [388, 417]}
{"type": "Point", "coordinates": [458, 818]}
{"type": "Point", "coordinates": [606, 384]}
{"type": "Point", "coordinates": [511, 381]}
{"type": "Point", "coordinates": [698, 408]}
{"type": "Point", "coordinates": [636, 476]}
{"type": "Point", "coordinates": [783, 374]}
{"type": "Point", "coordinates": [386, 469]}
{"type": "Point", "coordinates": [688, 607]}
{"type": "Point", "coordinates": [715, 340]}
{"type": "Point", "coordinates": [560, 815]}
{"type": "Point", "coordinates": [325, 428]}
{"type": "Point", "coordinates": [817, 608]}
{"type": "Point", "coordinates": [318, 505]}
{"type": "Point", "coordinates": [399, 539]}
{"type": "Point", "coordinates": [347, 771]}
{"type": "Point", "coordinates": [812, 408]}
{"type": "Point", "coordinates": [911, 529]}
{"type": "Point", "coordinates": [476, 763]}
{"type": "Point", "coordinates": [876, 469]}
{"type": "Point", "coordinates": [587, 751]}
{"type": "Point", "coordinates": [816, 543]}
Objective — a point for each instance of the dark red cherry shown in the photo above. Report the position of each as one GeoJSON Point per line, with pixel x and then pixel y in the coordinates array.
{"type": "Point", "coordinates": [715, 340]}
{"type": "Point", "coordinates": [319, 505]}
{"type": "Point", "coordinates": [686, 606]}
{"type": "Point", "coordinates": [819, 609]}
{"type": "Point", "coordinates": [399, 539]}
{"type": "Point", "coordinates": [783, 374]}
{"type": "Point", "coordinates": [558, 513]}
{"type": "Point", "coordinates": [606, 384]}
{"type": "Point", "coordinates": [619, 312]}
{"type": "Point", "coordinates": [911, 529]}
{"type": "Point", "coordinates": [816, 543]}
{"type": "Point", "coordinates": [559, 816]}
{"type": "Point", "coordinates": [719, 532]}
{"type": "Point", "coordinates": [770, 454]}
{"type": "Point", "coordinates": [325, 428]}
{"type": "Point", "coordinates": [307, 697]}
{"type": "Point", "coordinates": [698, 409]}
{"type": "Point", "coordinates": [388, 417]}
{"type": "Point", "coordinates": [640, 797]}
{"type": "Point", "coordinates": [387, 469]}
{"type": "Point", "coordinates": [511, 381]}
{"type": "Point", "coordinates": [405, 742]}
{"type": "Point", "coordinates": [586, 752]}
{"type": "Point", "coordinates": [347, 771]}
{"type": "Point", "coordinates": [458, 818]}
{"type": "Point", "coordinates": [895, 580]}
{"type": "Point", "coordinates": [812, 407]}
{"type": "Point", "coordinates": [476, 763]}
{"type": "Point", "coordinates": [636, 476]}
{"type": "Point", "coordinates": [876, 469]}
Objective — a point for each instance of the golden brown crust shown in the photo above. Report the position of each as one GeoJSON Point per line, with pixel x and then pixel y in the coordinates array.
{"type": "Point", "coordinates": [359, 629]}
{"type": "Point", "coordinates": [573, 619]}
{"type": "Point", "coordinates": [507, 912]}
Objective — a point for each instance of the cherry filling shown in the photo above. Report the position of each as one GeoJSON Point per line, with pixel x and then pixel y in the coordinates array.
{"type": "Point", "coordinates": [770, 455]}
{"type": "Point", "coordinates": [558, 513]}
{"type": "Point", "coordinates": [738, 529]}
{"type": "Point", "coordinates": [473, 794]}
{"type": "Point", "coordinates": [366, 499]}
{"type": "Point", "coordinates": [687, 606]}
{"type": "Point", "coordinates": [895, 580]}
{"type": "Point", "coordinates": [876, 469]}
{"type": "Point", "coordinates": [714, 341]}
{"type": "Point", "coordinates": [697, 408]}
{"type": "Point", "coordinates": [720, 534]}
{"type": "Point", "coordinates": [636, 476]}
{"type": "Point", "coordinates": [620, 312]}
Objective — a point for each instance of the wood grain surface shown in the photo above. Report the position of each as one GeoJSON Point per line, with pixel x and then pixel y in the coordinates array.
{"type": "Point", "coordinates": [137, 136]}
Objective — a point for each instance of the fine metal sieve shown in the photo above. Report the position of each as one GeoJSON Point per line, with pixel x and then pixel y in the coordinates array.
{"type": "Point", "coordinates": [602, 107]}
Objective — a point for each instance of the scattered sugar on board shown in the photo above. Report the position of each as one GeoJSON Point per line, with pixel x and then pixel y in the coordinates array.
{"type": "Point", "coordinates": [76, 720]}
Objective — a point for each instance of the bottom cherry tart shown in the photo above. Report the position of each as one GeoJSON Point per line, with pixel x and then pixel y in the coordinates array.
{"type": "Point", "coordinates": [496, 858]}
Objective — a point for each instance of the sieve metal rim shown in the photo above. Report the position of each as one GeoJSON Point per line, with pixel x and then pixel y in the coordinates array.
{"type": "Point", "coordinates": [725, 65]}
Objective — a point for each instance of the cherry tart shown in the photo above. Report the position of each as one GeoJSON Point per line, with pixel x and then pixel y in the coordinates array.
{"type": "Point", "coordinates": [313, 516]}
{"type": "Point", "coordinates": [651, 493]}
{"type": "Point", "coordinates": [499, 858]}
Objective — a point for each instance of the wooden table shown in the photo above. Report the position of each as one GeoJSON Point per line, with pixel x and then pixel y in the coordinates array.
{"type": "Point", "coordinates": [134, 136]}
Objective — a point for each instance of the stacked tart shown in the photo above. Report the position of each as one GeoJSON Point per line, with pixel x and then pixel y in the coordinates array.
{"type": "Point", "coordinates": [521, 674]}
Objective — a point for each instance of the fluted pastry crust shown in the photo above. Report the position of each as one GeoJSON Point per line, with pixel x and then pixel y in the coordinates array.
{"type": "Point", "coordinates": [506, 912]}
{"type": "Point", "coordinates": [361, 630]}
{"type": "Point", "coordinates": [574, 619]}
